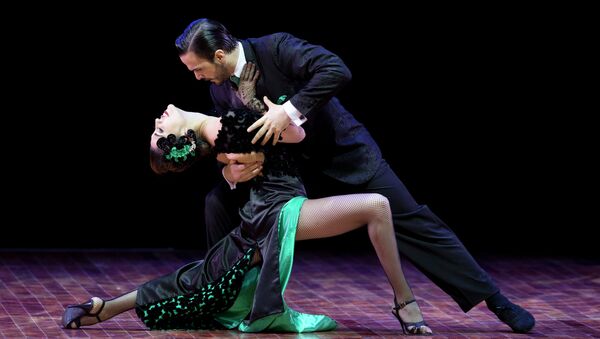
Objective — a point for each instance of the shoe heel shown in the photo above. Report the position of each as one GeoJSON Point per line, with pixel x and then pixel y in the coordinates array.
{"type": "Point", "coordinates": [414, 327]}
{"type": "Point", "coordinates": [402, 325]}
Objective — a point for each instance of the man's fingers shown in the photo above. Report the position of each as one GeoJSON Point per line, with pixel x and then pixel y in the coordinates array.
{"type": "Point", "coordinates": [250, 168]}
{"type": "Point", "coordinates": [260, 133]}
{"type": "Point", "coordinates": [267, 136]}
{"type": "Point", "coordinates": [257, 123]}
{"type": "Point", "coordinates": [246, 171]}
{"type": "Point", "coordinates": [251, 173]}
{"type": "Point", "coordinates": [239, 168]}
{"type": "Point", "coordinates": [276, 137]}
{"type": "Point", "coordinates": [268, 102]}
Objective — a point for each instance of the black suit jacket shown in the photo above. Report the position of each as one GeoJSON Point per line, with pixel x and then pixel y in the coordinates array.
{"type": "Point", "coordinates": [310, 76]}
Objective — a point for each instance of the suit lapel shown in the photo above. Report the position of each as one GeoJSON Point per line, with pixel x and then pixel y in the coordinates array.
{"type": "Point", "coordinates": [261, 89]}
{"type": "Point", "coordinates": [248, 51]}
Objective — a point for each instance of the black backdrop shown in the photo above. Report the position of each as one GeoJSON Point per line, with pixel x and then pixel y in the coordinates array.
{"type": "Point", "coordinates": [477, 111]}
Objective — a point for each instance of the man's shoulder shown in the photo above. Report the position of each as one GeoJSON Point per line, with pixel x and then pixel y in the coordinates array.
{"type": "Point", "coordinates": [272, 37]}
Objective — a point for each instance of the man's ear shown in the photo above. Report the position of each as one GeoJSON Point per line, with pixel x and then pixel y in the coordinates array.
{"type": "Point", "coordinates": [219, 56]}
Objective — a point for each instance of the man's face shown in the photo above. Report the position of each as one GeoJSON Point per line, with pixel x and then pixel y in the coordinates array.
{"type": "Point", "coordinates": [204, 69]}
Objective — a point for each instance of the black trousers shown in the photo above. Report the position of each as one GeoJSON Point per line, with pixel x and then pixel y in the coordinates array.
{"type": "Point", "coordinates": [422, 237]}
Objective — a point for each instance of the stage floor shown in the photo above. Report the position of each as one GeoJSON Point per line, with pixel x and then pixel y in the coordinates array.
{"type": "Point", "coordinates": [562, 293]}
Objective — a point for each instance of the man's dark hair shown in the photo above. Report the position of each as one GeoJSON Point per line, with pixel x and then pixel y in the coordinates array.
{"type": "Point", "coordinates": [204, 37]}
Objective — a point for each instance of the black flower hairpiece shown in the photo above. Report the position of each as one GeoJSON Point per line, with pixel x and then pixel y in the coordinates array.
{"type": "Point", "coordinates": [180, 149]}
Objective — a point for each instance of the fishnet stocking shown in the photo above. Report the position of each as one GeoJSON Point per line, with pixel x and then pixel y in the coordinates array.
{"type": "Point", "coordinates": [322, 218]}
{"type": "Point", "coordinates": [331, 216]}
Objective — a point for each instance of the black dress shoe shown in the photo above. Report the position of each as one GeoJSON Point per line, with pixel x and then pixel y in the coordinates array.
{"type": "Point", "coordinates": [515, 316]}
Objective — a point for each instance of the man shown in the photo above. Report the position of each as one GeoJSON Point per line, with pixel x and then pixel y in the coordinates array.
{"type": "Point", "coordinates": [298, 81]}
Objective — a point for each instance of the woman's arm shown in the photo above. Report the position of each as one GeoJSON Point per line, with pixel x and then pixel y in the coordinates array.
{"type": "Point", "coordinates": [222, 157]}
{"type": "Point", "coordinates": [244, 158]}
{"type": "Point", "coordinates": [292, 134]}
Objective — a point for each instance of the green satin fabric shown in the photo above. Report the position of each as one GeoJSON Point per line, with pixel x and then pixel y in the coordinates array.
{"type": "Point", "coordinates": [243, 304]}
{"type": "Point", "coordinates": [289, 320]}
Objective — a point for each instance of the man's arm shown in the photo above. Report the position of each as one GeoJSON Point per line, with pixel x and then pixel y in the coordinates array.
{"type": "Point", "coordinates": [323, 73]}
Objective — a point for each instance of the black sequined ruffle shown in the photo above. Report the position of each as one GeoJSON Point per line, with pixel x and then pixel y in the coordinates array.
{"type": "Point", "coordinates": [233, 138]}
{"type": "Point", "coordinates": [197, 310]}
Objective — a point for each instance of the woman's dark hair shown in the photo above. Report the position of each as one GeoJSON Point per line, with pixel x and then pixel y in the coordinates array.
{"type": "Point", "coordinates": [204, 37]}
{"type": "Point", "coordinates": [173, 154]}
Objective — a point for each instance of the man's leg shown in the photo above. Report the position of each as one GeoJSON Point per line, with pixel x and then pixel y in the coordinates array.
{"type": "Point", "coordinates": [221, 211]}
{"type": "Point", "coordinates": [434, 249]}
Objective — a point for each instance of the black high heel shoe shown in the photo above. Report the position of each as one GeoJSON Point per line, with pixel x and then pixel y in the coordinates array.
{"type": "Point", "coordinates": [409, 328]}
{"type": "Point", "coordinates": [73, 313]}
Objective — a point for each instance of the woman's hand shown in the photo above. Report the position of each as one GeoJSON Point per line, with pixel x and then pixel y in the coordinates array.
{"type": "Point", "coordinates": [247, 88]}
{"type": "Point", "coordinates": [247, 85]}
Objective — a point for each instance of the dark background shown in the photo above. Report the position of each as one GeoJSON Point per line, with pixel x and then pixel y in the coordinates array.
{"type": "Point", "coordinates": [480, 111]}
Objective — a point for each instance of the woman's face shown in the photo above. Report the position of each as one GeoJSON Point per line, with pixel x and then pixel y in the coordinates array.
{"type": "Point", "coordinates": [171, 121]}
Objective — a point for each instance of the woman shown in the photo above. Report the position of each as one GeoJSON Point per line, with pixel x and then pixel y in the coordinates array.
{"type": "Point", "coordinates": [241, 281]}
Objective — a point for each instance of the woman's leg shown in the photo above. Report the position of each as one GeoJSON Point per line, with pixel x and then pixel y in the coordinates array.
{"type": "Point", "coordinates": [100, 310]}
{"type": "Point", "coordinates": [331, 216]}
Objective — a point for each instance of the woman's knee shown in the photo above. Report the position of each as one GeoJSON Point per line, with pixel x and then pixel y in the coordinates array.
{"type": "Point", "coordinates": [379, 205]}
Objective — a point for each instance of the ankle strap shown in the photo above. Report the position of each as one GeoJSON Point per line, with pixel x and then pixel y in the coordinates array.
{"type": "Point", "coordinates": [403, 304]}
{"type": "Point", "coordinates": [97, 314]}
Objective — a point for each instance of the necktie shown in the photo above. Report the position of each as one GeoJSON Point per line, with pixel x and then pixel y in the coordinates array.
{"type": "Point", "coordinates": [235, 80]}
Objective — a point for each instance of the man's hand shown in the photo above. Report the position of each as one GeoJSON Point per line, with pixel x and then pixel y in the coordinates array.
{"type": "Point", "coordinates": [235, 172]}
{"type": "Point", "coordinates": [271, 124]}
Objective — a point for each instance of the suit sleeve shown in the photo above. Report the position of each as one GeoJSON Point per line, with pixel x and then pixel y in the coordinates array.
{"type": "Point", "coordinates": [322, 72]}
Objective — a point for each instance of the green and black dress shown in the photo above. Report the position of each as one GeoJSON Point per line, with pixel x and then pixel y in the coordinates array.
{"type": "Point", "coordinates": [223, 290]}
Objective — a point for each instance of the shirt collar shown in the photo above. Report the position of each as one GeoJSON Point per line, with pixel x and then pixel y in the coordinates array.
{"type": "Point", "coordinates": [241, 61]}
